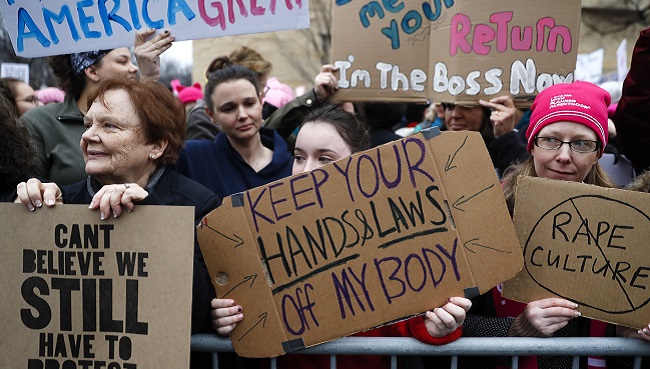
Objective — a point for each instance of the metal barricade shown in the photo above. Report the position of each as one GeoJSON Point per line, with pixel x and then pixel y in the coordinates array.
{"type": "Point", "coordinates": [466, 346]}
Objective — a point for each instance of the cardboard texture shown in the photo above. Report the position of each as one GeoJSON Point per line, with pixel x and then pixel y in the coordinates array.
{"type": "Point", "coordinates": [52, 27]}
{"type": "Point", "coordinates": [361, 242]}
{"type": "Point", "coordinates": [80, 292]}
{"type": "Point", "coordinates": [586, 244]}
{"type": "Point", "coordinates": [453, 51]}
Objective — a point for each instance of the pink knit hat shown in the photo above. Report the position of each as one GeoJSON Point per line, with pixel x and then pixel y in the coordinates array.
{"type": "Point", "coordinates": [190, 93]}
{"type": "Point", "coordinates": [578, 102]}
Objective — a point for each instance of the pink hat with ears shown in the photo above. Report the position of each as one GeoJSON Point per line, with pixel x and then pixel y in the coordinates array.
{"type": "Point", "coordinates": [190, 93]}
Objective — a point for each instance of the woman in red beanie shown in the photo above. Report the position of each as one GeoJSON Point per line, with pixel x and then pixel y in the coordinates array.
{"type": "Point", "coordinates": [567, 134]}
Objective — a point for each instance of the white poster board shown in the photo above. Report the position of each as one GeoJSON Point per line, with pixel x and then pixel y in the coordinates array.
{"type": "Point", "coordinates": [16, 70]}
{"type": "Point", "coordinates": [56, 27]}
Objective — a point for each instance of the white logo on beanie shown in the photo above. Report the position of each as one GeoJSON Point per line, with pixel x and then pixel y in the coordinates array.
{"type": "Point", "coordinates": [565, 100]}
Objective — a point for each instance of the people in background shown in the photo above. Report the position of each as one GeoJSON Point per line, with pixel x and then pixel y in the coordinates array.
{"type": "Point", "coordinates": [49, 95]}
{"type": "Point", "coordinates": [189, 96]}
{"type": "Point", "coordinates": [17, 156]}
{"type": "Point", "coordinates": [244, 154]}
{"type": "Point", "coordinates": [495, 120]}
{"type": "Point", "coordinates": [21, 95]}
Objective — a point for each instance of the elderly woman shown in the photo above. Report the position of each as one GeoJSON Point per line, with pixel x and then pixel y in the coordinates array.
{"type": "Point", "coordinates": [57, 128]}
{"type": "Point", "coordinates": [134, 132]}
{"type": "Point", "coordinates": [243, 155]}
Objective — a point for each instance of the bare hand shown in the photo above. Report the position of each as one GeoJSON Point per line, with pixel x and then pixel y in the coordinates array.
{"type": "Point", "coordinates": [446, 319]}
{"type": "Point", "coordinates": [225, 315]}
{"type": "Point", "coordinates": [550, 315]}
{"type": "Point", "coordinates": [326, 83]}
{"type": "Point", "coordinates": [147, 53]}
{"type": "Point", "coordinates": [33, 194]}
{"type": "Point", "coordinates": [113, 197]}
{"type": "Point", "coordinates": [504, 114]}
{"type": "Point", "coordinates": [643, 333]}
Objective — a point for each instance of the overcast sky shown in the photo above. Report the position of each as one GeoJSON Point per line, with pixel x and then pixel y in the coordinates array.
{"type": "Point", "coordinates": [181, 51]}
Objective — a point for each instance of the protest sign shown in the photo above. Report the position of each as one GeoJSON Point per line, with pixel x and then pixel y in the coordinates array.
{"type": "Point", "coordinates": [453, 51]}
{"type": "Point", "coordinates": [64, 26]}
{"type": "Point", "coordinates": [586, 244]}
{"type": "Point", "coordinates": [15, 70]}
{"type": "Point", "coordinates": [78, 292]}
{"type": "Point", "coordinates": [379, 236]}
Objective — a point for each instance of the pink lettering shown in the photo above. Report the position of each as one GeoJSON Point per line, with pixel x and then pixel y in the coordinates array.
{"type": "Point", "coordinates": [458, 35]}
{"type": "Point", "coordinates": [479, 39]}
{"type": "Point", "coordinates": [521, 42]}
{"type": "Point", "coordinates": [213, 21]}
{"type": "Point", "coordinates": [501, 20]}
{"type": "Point", "coordinates": [483, 34]}
{"type": "Point", "coordinates": [231, 10]}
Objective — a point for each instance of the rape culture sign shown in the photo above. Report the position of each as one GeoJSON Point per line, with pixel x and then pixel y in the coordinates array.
{"type": "Point", "coordinates": [39, 28]}
{"type": "Point", "coordinates": [78, 292]}
{"type": "Point", "coordinates": [586, 244]}
{"type": "Point", "coordinates": [453, 50]}
{"type": "Point", "coordinates": [379, 236]}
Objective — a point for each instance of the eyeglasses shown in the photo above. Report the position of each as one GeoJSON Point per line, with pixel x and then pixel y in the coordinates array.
{"type": "Point", "coordinates": [31, 99]}
{"type": "Point", "coordinates": [452, 106]}
{"type": "Point", "coordinates": [581, 146]}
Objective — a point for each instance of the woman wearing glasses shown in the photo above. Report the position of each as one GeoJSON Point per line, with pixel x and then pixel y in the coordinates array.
{"type": "Point", "coordinates": [565, 138]}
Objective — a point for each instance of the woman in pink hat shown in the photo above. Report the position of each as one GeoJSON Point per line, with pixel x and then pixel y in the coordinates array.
{"type": "Point", "coordinates": [567, 134]}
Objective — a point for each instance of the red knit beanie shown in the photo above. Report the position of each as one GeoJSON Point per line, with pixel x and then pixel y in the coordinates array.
{"type": "Point", "coordinates": [577, 102]}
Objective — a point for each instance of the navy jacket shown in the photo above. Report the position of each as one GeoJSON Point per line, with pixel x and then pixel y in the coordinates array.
{"type": "Point", "coordinates": [220, 168]}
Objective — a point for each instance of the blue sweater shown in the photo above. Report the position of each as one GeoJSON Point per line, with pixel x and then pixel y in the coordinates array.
{"type": "Point", "coordinates": [217, 166]}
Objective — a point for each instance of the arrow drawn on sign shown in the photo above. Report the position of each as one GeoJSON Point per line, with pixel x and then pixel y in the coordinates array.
{"type": "Point", "coordinates": [483, 246]}
{"type": "Point", "coordinates": [262, 319]}
{"type": "Point", "coordinates": [251, 278]}
{"type": "Point", "coordinates": [450, 158]}
{"type": "Point", "coordinates": [460, 200]}
{"type": "Point", "coordinates": [238, 241]}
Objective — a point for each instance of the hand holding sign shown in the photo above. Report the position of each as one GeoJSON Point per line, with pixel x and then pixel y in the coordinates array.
{"type": "Point", "coordinates": [225, 315]}
{"type": "Point", "coordinates": [33, 194]}
{"type": "Point", "coordinates": [147, 53]}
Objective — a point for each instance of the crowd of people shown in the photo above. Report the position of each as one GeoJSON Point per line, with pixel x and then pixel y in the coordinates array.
{"type": "Point", "coordinates": [116, 141]}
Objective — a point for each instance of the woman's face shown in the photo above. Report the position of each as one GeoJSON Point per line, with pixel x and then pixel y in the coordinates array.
{"type": "Point", "coordinates": [237, 108]}
{"type": "Point", "coordinates": [26, 98]}
{"type": "Point", "coordinates": [463, 118]}
{"type": "Point", "coordinates": [114, 145]}
{"type": "Point", "coordinates": [564, 163]}
{"type": "Point", "coordinates": [116, 62]}
{"type": "Point", "coordinates": [317, 144]}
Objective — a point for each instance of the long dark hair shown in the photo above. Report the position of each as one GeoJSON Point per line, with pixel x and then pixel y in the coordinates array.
{"type": "Point", "coordinates": [347, 125]}
{"type": "Point", "coordinates": [17, 155]}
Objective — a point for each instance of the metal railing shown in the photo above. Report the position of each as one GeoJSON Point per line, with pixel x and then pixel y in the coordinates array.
{"type": "Point", "coordinates": [466, 346]}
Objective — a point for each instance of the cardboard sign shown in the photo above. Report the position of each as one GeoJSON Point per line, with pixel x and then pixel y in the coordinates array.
{"type": "Point", "coordinates": [65, 26]}
{"type": "Point", "coordinates": [376, 237]}
{"type": "Point", "coordinates": [586, 244]}
{"type": "Point", "coordinates": [446, 50]}
{"type": "Point", "coordinates": [78, 292]}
